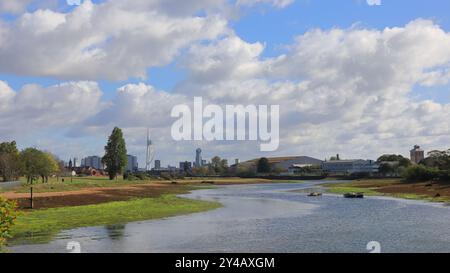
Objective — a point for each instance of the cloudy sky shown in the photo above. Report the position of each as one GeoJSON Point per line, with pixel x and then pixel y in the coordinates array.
{"type": "Point", "coordinates": [355, 77]}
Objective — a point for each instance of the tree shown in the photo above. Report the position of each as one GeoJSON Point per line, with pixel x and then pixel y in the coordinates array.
{"type": "Point", "coordinates": [10, 165]}
{"type": "Point", "coordinates": [399, 159]}
{"type": "Point", "coordinates": [386, 168]}
{"type": "Point", "coordinates": [219, 166]}
{"type": "Point", "coordinates": [420, 173]}
{"type": "Point", "coordinates": [115, 158]}
{"type": "Point", "coordinates": [263, 165]}
{"type": "Point", "coordinates": [31, 159]}
{"type": "Point", "coordinates": [8, 215]}
{"type": "Point", "coordinates": [48, 166]}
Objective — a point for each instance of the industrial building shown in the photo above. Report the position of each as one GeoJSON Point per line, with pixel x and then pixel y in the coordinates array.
{"type": "Point", "coordinates": [417, 154]}
{"type": "Point", "coordinates": [348, 167]}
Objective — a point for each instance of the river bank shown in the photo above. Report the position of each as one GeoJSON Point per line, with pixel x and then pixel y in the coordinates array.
{"type": "Point", "coordinates": [83, 202]}
{"type": "Point", "coordinates": [398, 188]}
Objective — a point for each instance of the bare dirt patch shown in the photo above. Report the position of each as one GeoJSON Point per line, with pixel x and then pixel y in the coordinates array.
{"type": "Point", "coordinates": [93, 196]}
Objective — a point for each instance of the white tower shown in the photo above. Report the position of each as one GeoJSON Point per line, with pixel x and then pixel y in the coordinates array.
{"type": "Point", "coordinates": [150, 152]}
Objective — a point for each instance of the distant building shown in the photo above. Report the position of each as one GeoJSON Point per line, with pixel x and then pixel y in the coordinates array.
{"type": "Point", "coordinates": [132, 165]}
{"type": "Point", "coordinates": [198, 158]}
{"type": "Point", "coordinates": [346, 167]}
{"type": "Point", "coordinates": [236, 161]}
{"type": "Point", "coordinates": [417, 154]}
{"type": "Point", "coordinates": [92, 162]}
{"type": "Point", "coordinates": [157, 164]}
{"type": "Point", "coordinates": [185, 165]}
{"type": "Point", "coordinates": [282, 164]}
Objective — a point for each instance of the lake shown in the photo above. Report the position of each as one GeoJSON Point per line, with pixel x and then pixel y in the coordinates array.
{"type": "Point", "coordinates": [273, 218]}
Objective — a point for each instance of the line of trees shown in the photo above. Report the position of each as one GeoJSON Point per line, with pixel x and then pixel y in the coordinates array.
{"type": "Point", "coordinates": [34, 164]}
{"type": "Point", "coordinates": [435, 167]}
{"type": "Point", "coordinates": [31, 163]}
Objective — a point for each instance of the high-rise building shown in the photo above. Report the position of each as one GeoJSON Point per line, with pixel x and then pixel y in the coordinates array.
{"type": "Point", "coordinates": [198, 158]}
{"type": "Point", "coordinates": [93, 162]}
{"type": "Point", "coordinates": [132, 165]}
{"type": "Point", "coordinates": [184, 166]}
{"type": "Point", "coordinates": [417, 154]}
{"type": "Point", "coordinates": [157, 164]}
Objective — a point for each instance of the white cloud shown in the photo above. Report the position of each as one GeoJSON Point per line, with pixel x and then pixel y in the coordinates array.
{"type": "Point", "coordinates": [341, 91]}
{"type": "Point", "coordinates": [374, 2]}
{"type": "Point", "coordinates": [115, 40]}
{"type": "Point", "coordinates": [13, 6]}
{"type": "Point", "coordinates": [34, 107]}
{"type": "Point", "coordinates": [275, 3]}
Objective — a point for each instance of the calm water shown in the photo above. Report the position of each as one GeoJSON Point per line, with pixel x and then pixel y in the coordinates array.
{"type": "Point", "coordinates": [272, 218]}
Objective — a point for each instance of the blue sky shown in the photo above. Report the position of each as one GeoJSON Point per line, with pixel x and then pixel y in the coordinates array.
{"type": "Point", "coordinates": [269, 24]}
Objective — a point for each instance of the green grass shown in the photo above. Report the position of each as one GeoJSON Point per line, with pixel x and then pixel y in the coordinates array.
{"type": "Point", "coordinates": [347, 189]}
{"type": "Point", "coordinates": [369, 188]}
{"type": "Point", "coordinates": [41, 225]}
{"type": "Point", "coordinates": [77, 183]}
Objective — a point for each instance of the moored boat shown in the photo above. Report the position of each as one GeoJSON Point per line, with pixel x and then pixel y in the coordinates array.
{"type": "Point", "coordinates": [354, 195]}
{"type": "Point", "coordinates": [315, 194]}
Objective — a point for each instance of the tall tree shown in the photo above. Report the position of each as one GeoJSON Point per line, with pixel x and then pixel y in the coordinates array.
{"type": "Point", "coordinates": [10, 166]}
{"type": "Point", "coordinates": [115, 158]}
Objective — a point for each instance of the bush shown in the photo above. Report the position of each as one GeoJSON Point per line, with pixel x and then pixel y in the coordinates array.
{"type": "Point", "coordinates": [420, 173]}
{"type": "Point", "coordinates": [8, 215]}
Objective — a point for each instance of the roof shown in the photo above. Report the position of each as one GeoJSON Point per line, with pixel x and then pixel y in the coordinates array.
{"type": "Point", "coordinates": [276, 160]}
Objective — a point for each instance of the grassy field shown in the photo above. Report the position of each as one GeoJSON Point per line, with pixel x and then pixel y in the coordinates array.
{"type": "Point", "coordinates": [393, 188]}
{"type": "Point", "coordinates": [73, 184]}
{"type": "Point", "coordinates": [41, 225]}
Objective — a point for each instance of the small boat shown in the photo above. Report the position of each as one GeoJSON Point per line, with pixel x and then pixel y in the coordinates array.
{"type": "Point", "coordinates": [315, 194]}
{"type": "Point", "coordinates": [354, 195]}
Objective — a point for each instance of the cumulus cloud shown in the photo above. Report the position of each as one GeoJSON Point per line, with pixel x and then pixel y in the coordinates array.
{"type": "Point", "coordinates": [115, 40]}
{"type": "Point", "coordinates": [35, 107]}
{"type": "Point", "coordinates": [374, 2]}
{"type": "Point", "coordinates": [13, 6]}
{"type": "Point", "coordinates": [340, 91]}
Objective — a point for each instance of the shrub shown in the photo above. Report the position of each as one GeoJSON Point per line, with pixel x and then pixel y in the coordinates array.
{"type": "Point", "coordinates": [420, 173]}
{"type": "Point", "coordinates": [8, 215]}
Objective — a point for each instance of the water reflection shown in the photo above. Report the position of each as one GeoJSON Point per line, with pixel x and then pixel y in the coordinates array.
{"type": "Point", "coordinates": [115, 232]}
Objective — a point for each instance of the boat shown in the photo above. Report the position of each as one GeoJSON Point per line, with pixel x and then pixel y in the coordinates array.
{"type": "Point", "coordinates": [315, 194]}
{"type": "Point", "coordinates": [354, 195]}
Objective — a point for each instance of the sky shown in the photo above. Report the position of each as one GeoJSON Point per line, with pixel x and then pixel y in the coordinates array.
{"type": "Point", "coordinates": [356, 77]}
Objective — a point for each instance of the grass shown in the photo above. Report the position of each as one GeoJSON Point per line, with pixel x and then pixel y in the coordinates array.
{"type": "Point", "coordinates": [76, 183]}
{"type": "Point", "coordinates": [40, 226]}
{"type": "Point", "coordinates": [371, 187]}
{"type": "Point", "coordinates": [347, 189]}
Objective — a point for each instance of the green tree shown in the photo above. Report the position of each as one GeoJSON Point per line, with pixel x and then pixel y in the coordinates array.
{"type": "Point", "coordinates": [115, 158]}
{"type": "Point", "coordinates": [219, 166]}
{"type": "Point", "coordinates": [10, 165]}
{"type": "Point", "coordinates": [420, 173]}
{"type": "Point", "coordinates": [263, 165]}
{"type": "Point", "coordinates": [31, 159]}
{"type": "Point", "coordinates": [386, 168]}
{"type": "Point", "coordinates": [8, 215]}
{"type": "Point", "coordinates": [399, 159]}
{"type": "Point", "coordinates": [47, 166]}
